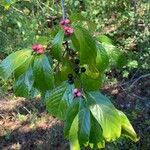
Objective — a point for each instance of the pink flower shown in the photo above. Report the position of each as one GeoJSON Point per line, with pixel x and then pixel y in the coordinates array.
{"type": "Point", "coordinates": [38, 48]}
{"type": "Point", "coordinates": [77, 93]}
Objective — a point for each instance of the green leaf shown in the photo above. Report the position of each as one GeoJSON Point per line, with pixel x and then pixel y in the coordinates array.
{"type": "Point", "coordinates": [13, 61]}
{"type": "Point", "coordinates": [7, 3]}
{"type": "Point", "coordinates": [43, 73]}
{"type": "Point", "coordinates": [77, 17]}
{"type": "Point", "coordinates": [75, 42]}
{"type": "Point", "coordinates": [24, 67]}
{"type": "Point", "coordinates": [96, 134]}
{"type": "Point", "coordinates": [110, 52]}
{"type": "Point", "coordinates": [59, 99]}
{"type": "Point", "coordinates": [73, 135]}
{"type": "Point", "coordinates": [122, 60]}
{"type": "Point", "coordinates": [127, 129]}
{"type": "Point", "coordinates": [70, 116]}
{"type": "Point", "coordinates": [113, 52]}
{"type": "Point", "coordinates": [57, 45]}
{"type": "Point", "coordinates": [84, 123]}
{"type": "Point", "coordinates": [106, 115]}
{"type": "Point", "coordinates": [102, 59]}
{"type": "Point", "coordinates": [42, 40]}
{"type": "Point", "coordinates": [105, 39]}
{"type": "Point", "coordinates": [65, 69]}
{"type": "Point", "coordinates": [87, 46]}
{"type": "Point", "coordinates": [92, 71]}
{"type": "Point", "coordinates": [24, 83]}
{"type": "Point", "coordinates": [90, 84]}
{"type": "Point", "coordinates": [80, 112]}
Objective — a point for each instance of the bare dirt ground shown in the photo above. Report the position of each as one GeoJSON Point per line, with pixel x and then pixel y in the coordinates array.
{"type": "Point", "coordinates": [25, 125]}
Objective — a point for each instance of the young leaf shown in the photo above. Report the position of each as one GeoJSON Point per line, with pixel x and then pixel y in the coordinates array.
{"type": "Point", "coordinates": [84, 123]}
{"type": "Point", "coordinates": [87, 45]}
{"type": "Point", "coordinates": [57, 45]}
{"type": "Point", "coordinates": [13, 61]}
{"type": "Point", "coordinates": [42, 70]}
{"type": "Point", "coordinates": [24, 83]}
{"type": "Point", "coordinates": [59, 99]}
{"type": "Point", "coordinates": [127, 129]}
{"type": "Point", "coordinates": [106, 115]}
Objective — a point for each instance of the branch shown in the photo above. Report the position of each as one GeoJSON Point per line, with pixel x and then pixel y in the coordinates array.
{"type": "Point", "coordinates": [63, 9]}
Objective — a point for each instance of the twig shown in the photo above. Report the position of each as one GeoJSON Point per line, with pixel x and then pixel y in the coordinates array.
{"type": "Point", "coordinates": [133, 95]}
{"type": "Point", "coordinates": [143, 76]}
{"type": "Point", "coordinates": [135, 74]}
{"type": "Point", "coordinates": [27, 110]}
{"type": "Point", "coordinates": [2, 116]}
{"type": "Point", "coordinates": [46, 6]}
{"type": "Point", "coordinates": [139, 97]}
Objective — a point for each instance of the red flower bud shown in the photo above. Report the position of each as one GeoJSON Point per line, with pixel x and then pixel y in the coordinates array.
{"type": "Point", "coordinates": [34, 47]}
{"type": "Point", "coordinates": [38, 48]}
{"type": "Point", "coordinates": [68, 30]}
{"type": "Point", "coordinates": [65, 22]}
{"type": "Point", "coordinates": [62, 22]}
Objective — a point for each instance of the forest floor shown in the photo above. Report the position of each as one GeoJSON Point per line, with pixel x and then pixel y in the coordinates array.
{"type": "Point", "coordinates": [25, 125]}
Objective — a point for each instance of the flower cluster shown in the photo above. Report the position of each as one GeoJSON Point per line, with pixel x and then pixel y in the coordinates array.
{"type": "Point", "coordinates": [65, 25]}
{"type": "Point", "coordinates": [38, 48]}
{"type": "Point", "coordinates": [77, 93]}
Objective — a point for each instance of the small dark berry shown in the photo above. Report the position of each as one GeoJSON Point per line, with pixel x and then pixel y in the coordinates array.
{"type": "Point", "coordinates": [77, 61]}
{"type": "Point", "coordinates": [70, 76]}
{"type": "Point", "coordinates": [83, 69]}
{"type": "Point", "coordinates": [70, 81]}
{"type": "Point", "coordinates": [76, 70]}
